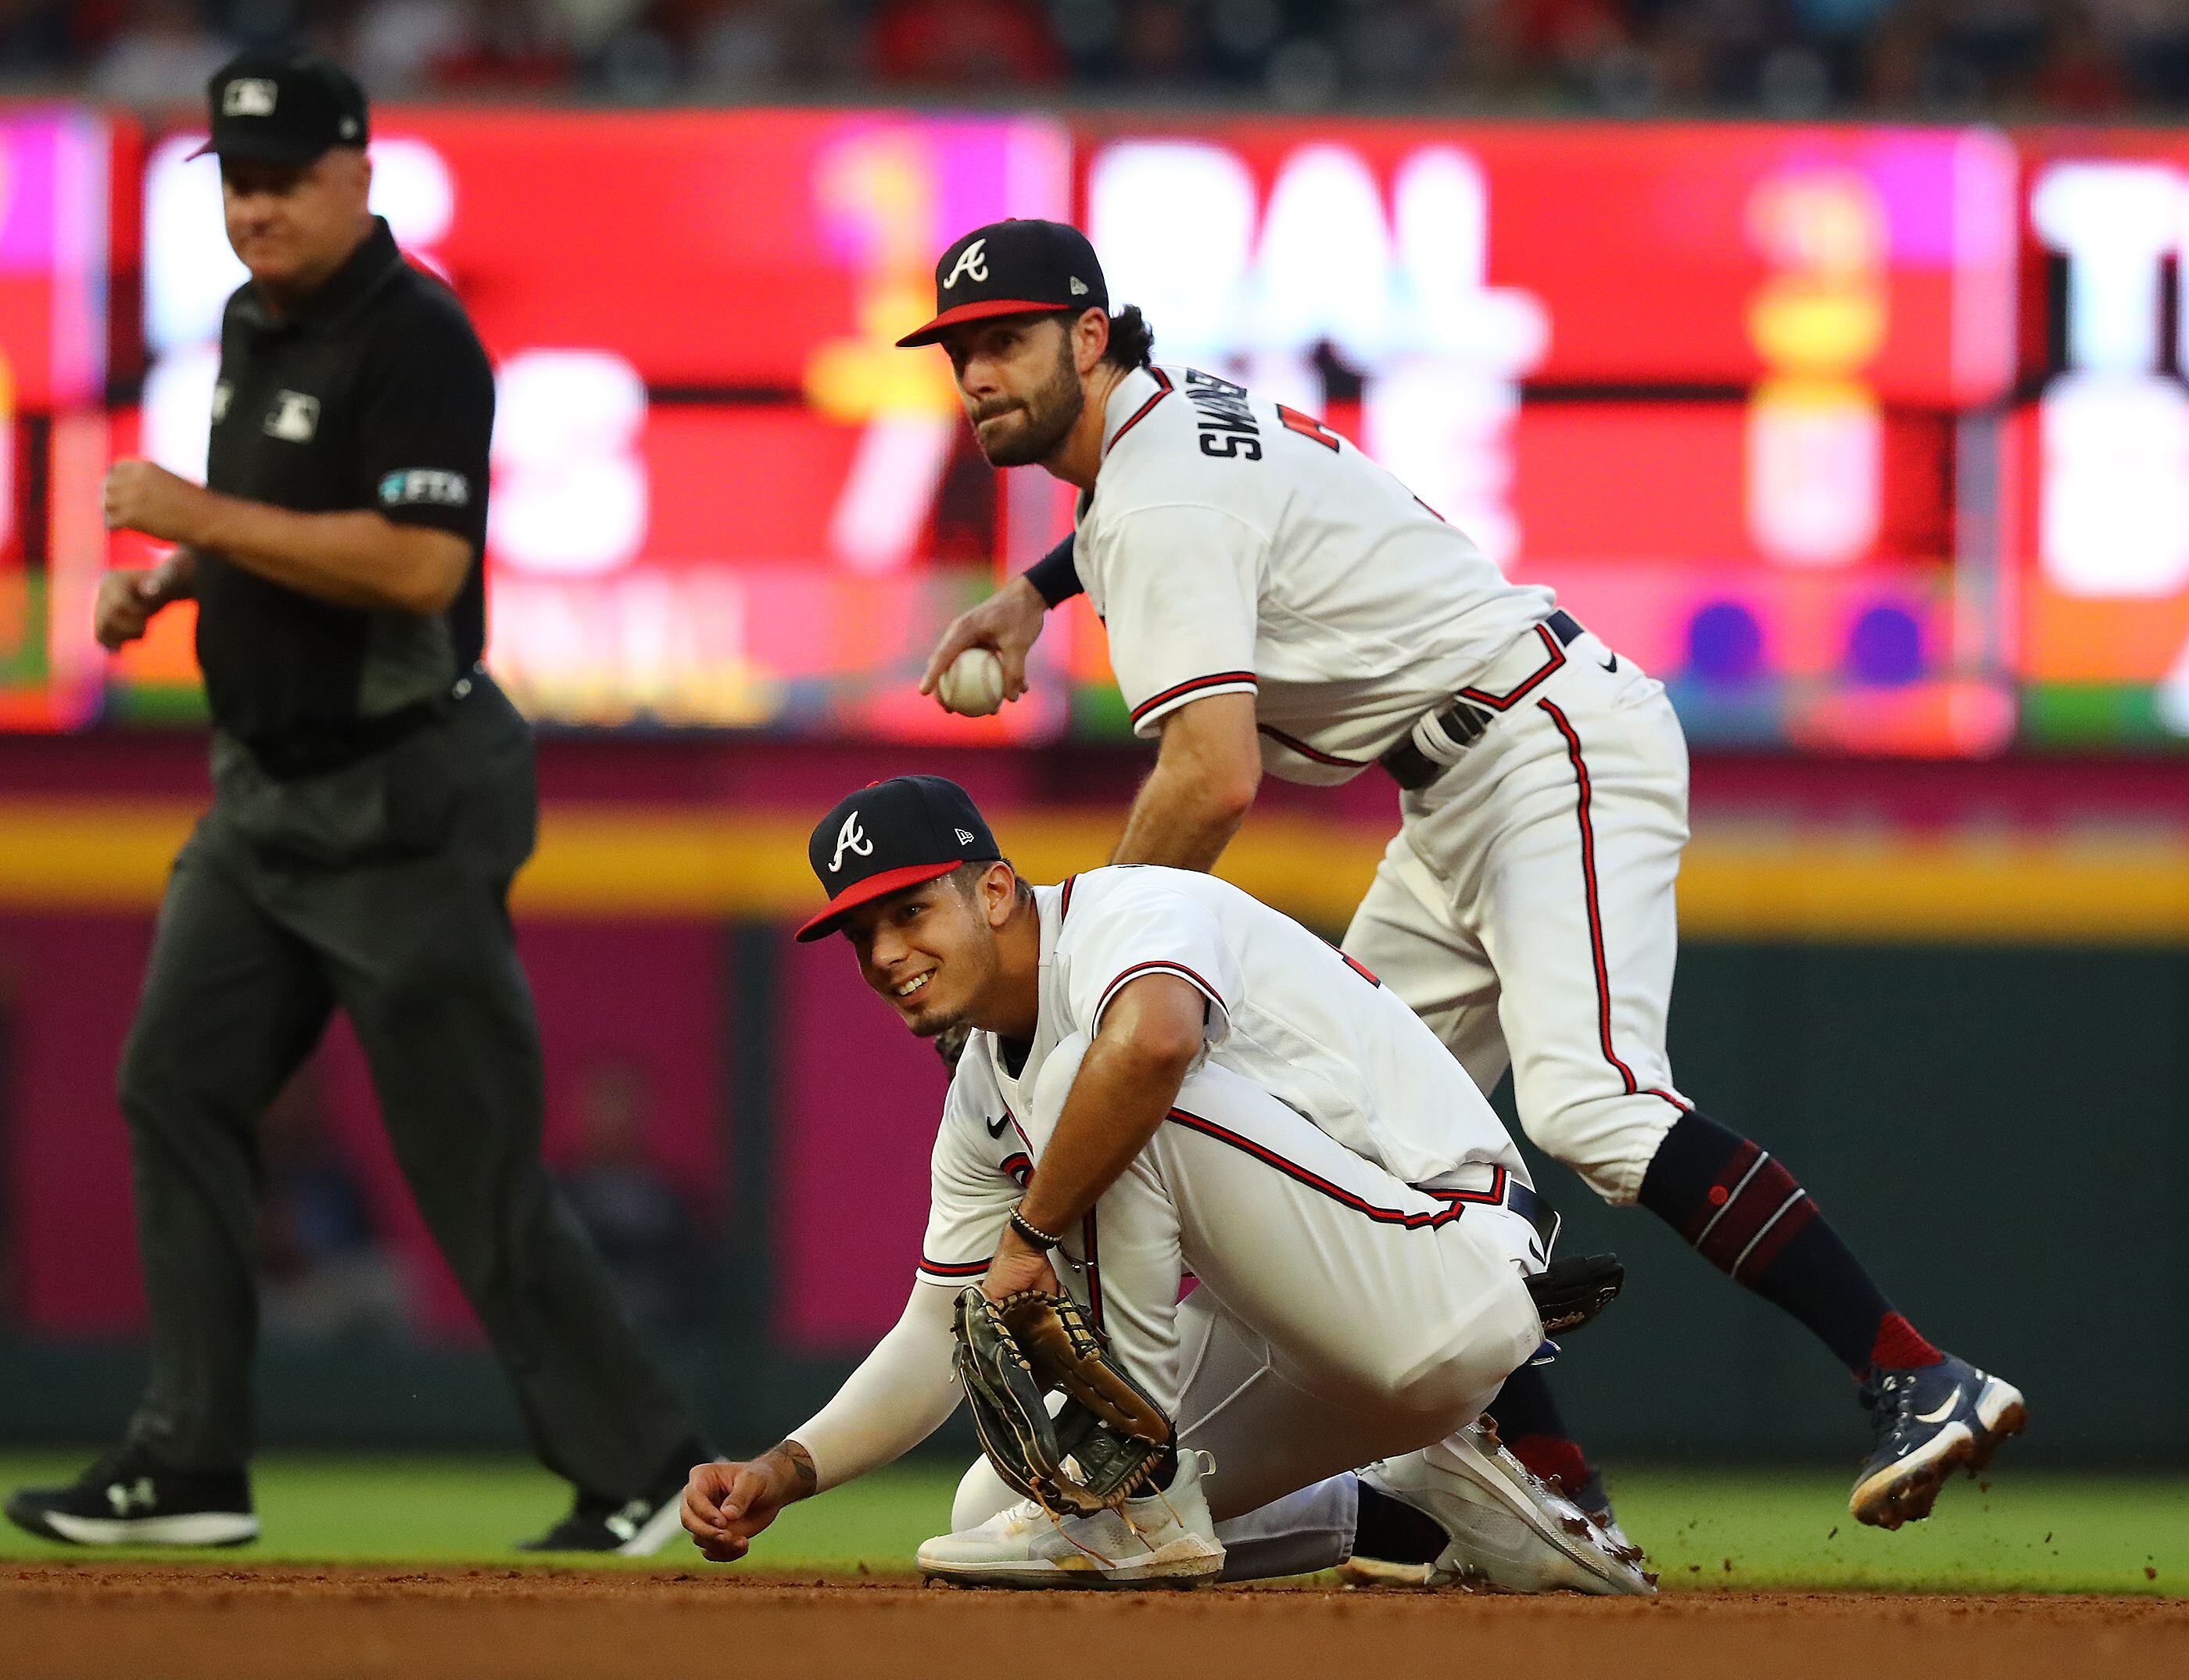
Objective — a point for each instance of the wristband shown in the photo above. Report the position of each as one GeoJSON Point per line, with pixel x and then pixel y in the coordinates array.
{"type": "Point", "coordinates": [1034, 1235]}
{"type": "Point", "coordinates": [1055, 576]}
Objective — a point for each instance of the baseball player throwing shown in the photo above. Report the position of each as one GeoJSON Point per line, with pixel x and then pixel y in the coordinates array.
{"type": "Point", "coordinates": [1167, 1079]}
{"type": "Point", "coordinates": [1276, 601]}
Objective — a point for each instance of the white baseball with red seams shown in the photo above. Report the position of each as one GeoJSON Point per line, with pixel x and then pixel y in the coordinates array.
{"type": "Point", "coordinates": [1525, 908]}
{"type": "Point", "coordinates": [972, 684]}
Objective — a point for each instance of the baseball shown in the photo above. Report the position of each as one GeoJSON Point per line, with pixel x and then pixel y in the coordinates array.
{"type": "Point", "coordinates": [973, 685]}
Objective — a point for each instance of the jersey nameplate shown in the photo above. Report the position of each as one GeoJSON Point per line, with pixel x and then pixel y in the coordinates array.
{"type": "Point", "coordinates": [1227, 426]}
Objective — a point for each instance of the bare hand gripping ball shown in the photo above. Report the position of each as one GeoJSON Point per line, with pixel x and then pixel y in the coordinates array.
{"type": "Point", "coordinates": [973, 685]}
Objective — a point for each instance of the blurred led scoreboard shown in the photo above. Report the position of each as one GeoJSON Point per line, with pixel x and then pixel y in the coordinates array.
{"type": "Point", "coordinates": [1863, 438]}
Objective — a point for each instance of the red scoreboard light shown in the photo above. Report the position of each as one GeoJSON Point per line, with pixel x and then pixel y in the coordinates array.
{"type": "Point", "coordinates": [54, 193]}
{"type": "Point", "coordinates": [717, 481]}
{"type": "Point", "coordinates": [1704, 381]}
{"type": "Point", "coordinates": [1734, 391]}
{"type": "Point", "coordinates": [2094, 469]}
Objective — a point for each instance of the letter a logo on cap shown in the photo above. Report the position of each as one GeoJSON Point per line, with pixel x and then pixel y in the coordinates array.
{"type": "Point", "coordinates": [972, 260]}
{"type": "Point", "coordinates": [850, 838]}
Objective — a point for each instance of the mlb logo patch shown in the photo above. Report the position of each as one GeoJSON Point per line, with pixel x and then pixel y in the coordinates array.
{"type": "Point", "coordinates": [294, 417]}
{"type": "Point", "coordinates": [249, 96]}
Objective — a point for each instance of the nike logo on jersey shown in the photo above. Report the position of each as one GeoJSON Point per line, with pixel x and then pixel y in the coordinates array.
{"type": "Point", "coordinates": [1612, 663]}
{"type": "Point", "coordinates": [996, 1126]}
{"type": "Point", "coordinates": [850, 838]}
{"type": "Point", "coordinates": [1945, 1409]}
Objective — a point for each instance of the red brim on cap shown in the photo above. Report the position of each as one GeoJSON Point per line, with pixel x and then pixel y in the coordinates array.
{"type": "Point", "coordinates": [868, 891]}
{"type": "Point", "coordinates": [977, 312]}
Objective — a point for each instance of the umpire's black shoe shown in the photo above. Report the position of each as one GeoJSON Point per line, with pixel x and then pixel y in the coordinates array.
{"type": "Point", "coordinates": [121, 1500]}
{"type": "Point", "coordinates": [637, 1528]}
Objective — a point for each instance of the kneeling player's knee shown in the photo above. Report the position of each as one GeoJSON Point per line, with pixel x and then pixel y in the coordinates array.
{"type": "Point", "coordinates": [1609, 1140]}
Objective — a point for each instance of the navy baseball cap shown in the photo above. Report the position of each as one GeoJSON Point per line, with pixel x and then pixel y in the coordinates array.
{"type": "Point", "coordinates": [889, 836]}
{"type": "Point", "coordinates": [283, 108]}
{"type": "Point", "coordinates": [1014, 268]}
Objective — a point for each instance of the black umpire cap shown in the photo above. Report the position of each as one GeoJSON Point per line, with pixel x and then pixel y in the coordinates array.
{"type": "Point", "coordinates": [1014, 268]}
{"type": "Point", "coordinates": [891, 835]}
{"type": "Point", "coordinates": [283, 108]}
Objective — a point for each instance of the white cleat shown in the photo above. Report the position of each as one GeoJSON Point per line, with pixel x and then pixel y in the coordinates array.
{"type": "Point", "coordinates": [1163, 1539]}
{"type": "Point", "coordinates": [1509, 1532]}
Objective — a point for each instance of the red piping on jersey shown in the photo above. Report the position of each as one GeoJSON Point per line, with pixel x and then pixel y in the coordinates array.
{"type": "Point", "coordinates": [1305, 751]}
{"type": "Point", "coordinates": [1064, 909]}
{"type": "Point", "coordinates": [1500, 702]}
{"type": "Point", "coordinates": [1011, 1163]}
{"type": "Point", "coordinates": [1215, 680]}
{"type": "Point", "coordinates": [1141, 412]}
{"type": "Point", "coordinates": [1634, 1087]}
{"type": "Point", "coordinates": [1455, 1200]}
{"type": "Point", "coordinates": [1360, 969]}
{"type": "Point", "coordinates": [1158, 967]}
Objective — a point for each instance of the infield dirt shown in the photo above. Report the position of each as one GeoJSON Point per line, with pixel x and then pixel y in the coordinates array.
{"type": "Point", "coordinates": [185, 1622]}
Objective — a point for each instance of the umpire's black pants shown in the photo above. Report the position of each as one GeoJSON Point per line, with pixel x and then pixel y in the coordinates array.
{"type": "Point", "coordinates": [379, 889]}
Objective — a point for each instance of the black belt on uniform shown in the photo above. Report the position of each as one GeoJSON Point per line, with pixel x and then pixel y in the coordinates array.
{"type": "Point", "coordinates": [1531, 1206]}
{"type": "Point", "coordinates": [315, 749]}
{"type": "Point", "coordinates": [1462, 720]}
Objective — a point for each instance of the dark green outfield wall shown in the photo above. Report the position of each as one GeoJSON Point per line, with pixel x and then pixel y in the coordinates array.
{"type": "Point", "coordinates": [2005, 1134]}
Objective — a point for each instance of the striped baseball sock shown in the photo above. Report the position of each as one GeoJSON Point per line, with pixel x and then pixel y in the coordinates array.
{"type": "Point", "coordinates": [1739, 1207]}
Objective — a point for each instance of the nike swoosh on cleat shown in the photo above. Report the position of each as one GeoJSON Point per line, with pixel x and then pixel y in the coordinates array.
{"type": "Point", "coordinates": [1944, 1410]}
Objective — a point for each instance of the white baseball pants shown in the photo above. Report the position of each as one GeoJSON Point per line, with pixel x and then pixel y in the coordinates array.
{"type": "Point", "coordinates": [1524, 909]}
{"type": "Point", "coordinates": [1341, 1315]}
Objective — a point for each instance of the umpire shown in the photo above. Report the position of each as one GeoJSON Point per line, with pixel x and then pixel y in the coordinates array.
{"type": "Point", "coordinates": [373, 797]}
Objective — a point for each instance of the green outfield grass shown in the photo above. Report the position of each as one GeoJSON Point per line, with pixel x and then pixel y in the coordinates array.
{"type": "Point", "coordinates": [1744, 1530]}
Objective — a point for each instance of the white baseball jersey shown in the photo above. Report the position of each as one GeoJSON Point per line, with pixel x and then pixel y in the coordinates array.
{"type": "Point", "coordinates": [1234, 545]}
{"type": "Point", "coordinates": [1286, 1012]}
{"type": "Point", "coordinates": [1526, 910]}
{"type": "Point", "coordinates": [1346, 1309]}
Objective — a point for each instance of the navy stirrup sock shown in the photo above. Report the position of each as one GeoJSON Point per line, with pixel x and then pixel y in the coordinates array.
{"type": "Point", "coordinates": [1742, 1211]}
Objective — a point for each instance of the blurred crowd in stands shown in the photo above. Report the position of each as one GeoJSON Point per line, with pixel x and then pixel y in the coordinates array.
{"type": "Point", "coordinates": [1942, 59]}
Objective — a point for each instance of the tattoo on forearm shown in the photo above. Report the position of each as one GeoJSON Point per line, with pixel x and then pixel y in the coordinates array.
{"type": "Point", "coordinates": [801, 1466]}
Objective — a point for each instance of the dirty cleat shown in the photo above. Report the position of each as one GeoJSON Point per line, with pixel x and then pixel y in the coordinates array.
{"type": "Point", "coordinates": [1928, 1422]}
{"type": "Point", "coordinates": [123, 1501]}
{"type": "Point", "coordinates": [1507, 1531]}
{"type": "Point", "coordinates": [1163, 1539]}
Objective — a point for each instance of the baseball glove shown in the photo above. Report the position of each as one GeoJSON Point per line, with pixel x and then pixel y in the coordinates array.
{"type": "Point", "coordinates": [1099, 1446]}
{"type": "Point", "coordinates": [1570, 1293]}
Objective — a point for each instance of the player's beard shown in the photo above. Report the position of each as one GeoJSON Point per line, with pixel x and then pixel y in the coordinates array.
{"type": "Point", "coordinates": [1050, 414]}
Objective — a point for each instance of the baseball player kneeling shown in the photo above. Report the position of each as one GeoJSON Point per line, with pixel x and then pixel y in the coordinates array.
{"type": "Point", "coordinates": [1168, 1080]}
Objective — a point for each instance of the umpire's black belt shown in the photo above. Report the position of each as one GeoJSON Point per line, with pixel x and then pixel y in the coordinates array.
{"type": "Point", "coordinates": [1464, 720]}
{"type": "Point", "coordinates": [315, 750]}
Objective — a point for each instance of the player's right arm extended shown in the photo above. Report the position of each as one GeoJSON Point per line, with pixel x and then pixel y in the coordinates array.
{"type": "Point", "coordinates": [1207, 773]}
{"type": "Point", "coordinates": [899, 1395]}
